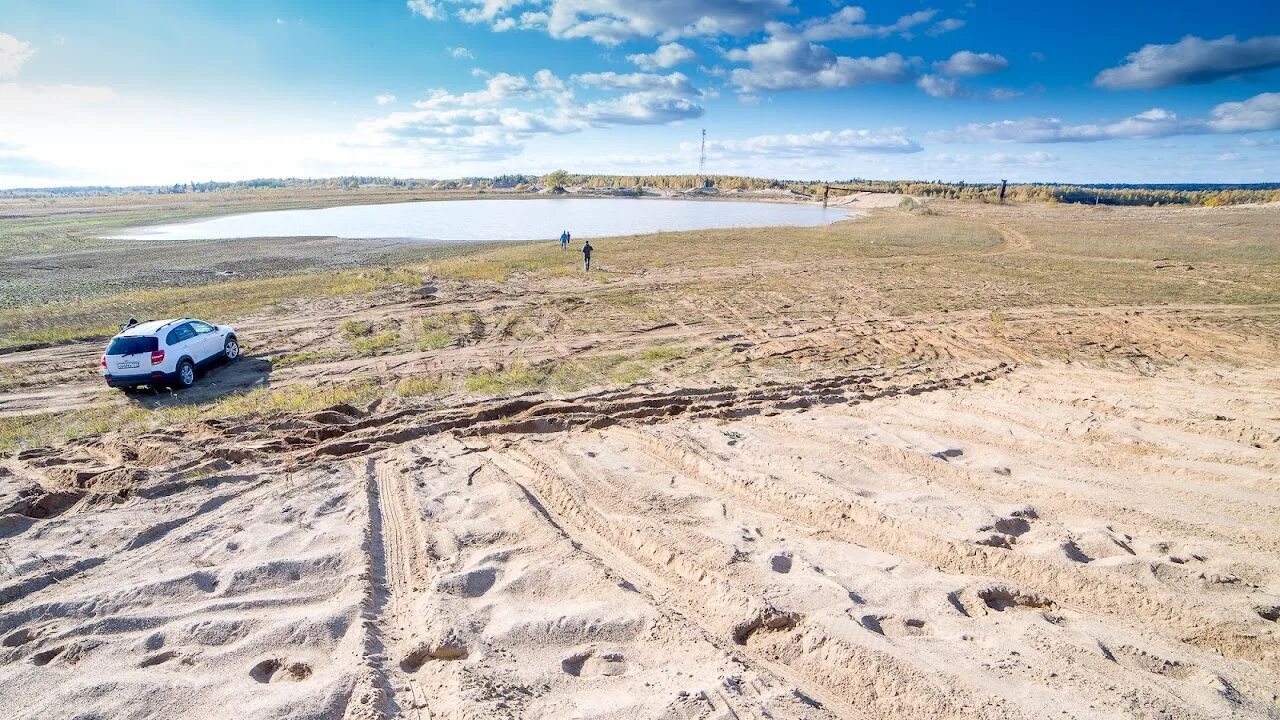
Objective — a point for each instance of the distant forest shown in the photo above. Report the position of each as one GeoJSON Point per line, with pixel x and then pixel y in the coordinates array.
{"type": "Point", "coordinates": [1206, 194]}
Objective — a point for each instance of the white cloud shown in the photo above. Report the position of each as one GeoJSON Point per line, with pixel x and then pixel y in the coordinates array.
{"type": "Point", "coordinates": [968, 63]}
{"type": "Point", "coordinates": [941, 87]}
{"type": "Point", "coordinates": [666, 56]}
{"type": "Point", "coordinates": [1191, 60]}
{"type": "Point", "coordinates": [945, 26]}
{"type": "Point", "coordinates": [1005, 160]}
{"type": "Point", "coordinates": [640, 108]}
{"type": "Point", "coordinates": [850, 22]}
{"type": "Point", "coordinates": [1001, 94]}
{"type": "Point", "coordinates": [500, 88]}
{"type": "Point", "coordinates": [820, 143]}
{"type": "Point", "coordinates": [610, 22]}
{"type": "Point", "coordinates": [384, 99]}
{"type": "Point", "coordinates": [749, 99]}
{"type": "Point", "coordinates": [487, 10]}
{"type": "Point", "coordinates": [460, 53]}
{"type": "Point", "coordinates": [429, 9]}
{"type": "Point", "coordinates": [14, 53]}
{"type": "Point", "coordinates": [497, 121]}
{"type": "Point", "coordinates": [675, 83]}
{"type": "Point", "coordinates": [1258, 113]}
{"type": "Point", "coordinates": [786, 61]}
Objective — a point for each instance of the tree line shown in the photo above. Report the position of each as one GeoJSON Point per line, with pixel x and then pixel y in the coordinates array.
{"type": "Point", "coordinates": [1209, 195]}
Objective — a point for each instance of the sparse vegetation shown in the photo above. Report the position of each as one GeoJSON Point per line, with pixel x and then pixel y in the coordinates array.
{"type": "Point", "coordinates": [374, 344]}
{"type": "Point", "coordinates": [62, 322]}
{"type": "Point", "coordinates": [55, 428]}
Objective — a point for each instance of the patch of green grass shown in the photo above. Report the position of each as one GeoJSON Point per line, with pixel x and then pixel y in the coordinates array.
{"type": "Point", "coordinates": [661, 354]}
{"type": "Point", "coordinates": [420, 386]}
{"type": "Point", "coordinates": [507, 380]}
{"type": "Point", "coordinates": [374, 344]}
{"type": "Point", "coordinates": [63, 322]}
{"type": "Point", "coordinates": [356, 329]}
{"type": "Point", "coordinates": [435, 339]}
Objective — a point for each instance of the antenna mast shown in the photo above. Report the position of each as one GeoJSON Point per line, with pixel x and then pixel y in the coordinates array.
{"type": "Point", "coordinates": [702, 157]}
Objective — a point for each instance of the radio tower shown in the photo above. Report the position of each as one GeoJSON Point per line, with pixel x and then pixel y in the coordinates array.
{"type": "Point", "coordinates": [702, 160]}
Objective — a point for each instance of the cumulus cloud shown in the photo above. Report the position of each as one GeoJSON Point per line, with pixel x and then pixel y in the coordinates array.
{"type": "Point", "coordinates": [850, 22]}
{"type": "Point", "coordinates": [675, 83]}
{"type": "Point", "coordinates": [610, 22]}
{"type": "Point", "coordinates": [941, 87]}
{"type": "Point", "coordinates": [499, 88]}
{"type": "Point", "coordinates": [460, 53]}
{"type": "Point", "coordinates": [787, 61]}
{"type": "Point", "coordinates": [1009, 160]}
{"type": "Point", "coordinates": [1257, 114]}
{"type": "Point", "coordinates": [820, 143]}
{"type": "Point", "coordinates": [486, 10]}
{"type": "Point", "coordinates": [967, 63]}
{"type": "Point", "coordinates": [666, 56]}
{"type": "Point", "coordinates": [945, 26]}
{"type": "Point", "coordinates": [384, 99]}
{"type": "Point", "coordinates": [495, 122]}
{"type": "Point", "coordinates": [429, 9]}
{"type": "Point", "coordinates": [1190, 61]}
{"type": "Point", "coordinates": [640, 108]}
{"type": "Point", "coordinates": [14, 53]}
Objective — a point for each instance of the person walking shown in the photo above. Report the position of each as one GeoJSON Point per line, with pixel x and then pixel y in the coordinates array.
{"type": "Point", "coordinates": [564, 240]}
{"type": "Point", "coordinates": [586, 256]}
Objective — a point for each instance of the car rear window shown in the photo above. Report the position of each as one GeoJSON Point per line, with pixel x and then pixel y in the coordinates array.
{"type": "Point", "coordinates": [132, 345]}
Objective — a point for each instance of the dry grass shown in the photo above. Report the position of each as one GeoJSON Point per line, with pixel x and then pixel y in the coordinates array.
{"type": "Point", "coordinates": [100, 317]}
{"type": "Point", "coordinates": [56, 428]}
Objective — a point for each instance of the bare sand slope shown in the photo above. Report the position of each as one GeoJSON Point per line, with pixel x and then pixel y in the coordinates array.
{"type": "Point", "coordinates": [919, 542]}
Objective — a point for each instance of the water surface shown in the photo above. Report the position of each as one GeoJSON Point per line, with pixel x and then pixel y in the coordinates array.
{"type": "Point", "coordinates": [490, 220]}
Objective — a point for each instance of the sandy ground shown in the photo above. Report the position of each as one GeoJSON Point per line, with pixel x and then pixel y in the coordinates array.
{"type": "Point", "coordinates": [990, 544]}
{"type": "Point", "coordinates": [1071, 512]}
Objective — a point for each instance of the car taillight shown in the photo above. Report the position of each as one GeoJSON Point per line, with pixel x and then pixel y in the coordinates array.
{"type": "Point", "coordinates": [104, 362]}
{"type": "Point", "coordinates": [157, 357]}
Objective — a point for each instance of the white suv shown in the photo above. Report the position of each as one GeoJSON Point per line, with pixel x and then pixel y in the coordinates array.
{"type": "Point", "coordinates": [166, 352]}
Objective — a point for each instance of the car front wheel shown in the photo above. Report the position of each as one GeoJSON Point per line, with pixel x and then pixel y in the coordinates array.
{"type": "Point", "coordinates": [186, 374]}
{"type": "Point", "coordinates": [231, 349]}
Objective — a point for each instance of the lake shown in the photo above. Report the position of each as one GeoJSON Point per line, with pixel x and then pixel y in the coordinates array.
{"type": "Point", "coordinates": [490, 220]}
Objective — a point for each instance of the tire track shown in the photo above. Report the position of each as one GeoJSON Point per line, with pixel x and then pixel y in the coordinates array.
{"type": "Point", "coordinates": [859, 522]}
{"type": "Point", "coordinates": [840, 676]}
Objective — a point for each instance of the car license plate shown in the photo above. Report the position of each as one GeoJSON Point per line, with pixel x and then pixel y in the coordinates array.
{"type": "Point", "coordinates": [127, 364]}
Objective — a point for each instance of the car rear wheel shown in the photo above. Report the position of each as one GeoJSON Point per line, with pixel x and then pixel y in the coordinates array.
{"type": "Point", "coordinates": [231, 349]}
{"type": "Point", "coordinates": [186, 374]}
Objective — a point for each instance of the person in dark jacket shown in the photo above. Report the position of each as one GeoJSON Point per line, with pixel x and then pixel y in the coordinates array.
{"type": "Point", "coordinates": [564, 240]}
{"type": "Point", "coordinates": [586, 255]}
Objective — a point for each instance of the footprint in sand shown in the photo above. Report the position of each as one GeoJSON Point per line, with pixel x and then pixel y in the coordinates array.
{"type": "Point", "coordinates": [276, 670]}
{"type": "Point", "coordinates": [21, 636]}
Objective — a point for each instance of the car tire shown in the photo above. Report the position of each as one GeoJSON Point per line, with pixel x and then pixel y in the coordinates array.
{"type": "Point", "coordinates": [231, 349]}
{"type": "Point", "coordinates": [186, 374]}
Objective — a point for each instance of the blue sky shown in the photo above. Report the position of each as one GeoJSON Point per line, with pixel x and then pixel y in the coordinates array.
{"type": "Point", "coordinates": [151, 92]}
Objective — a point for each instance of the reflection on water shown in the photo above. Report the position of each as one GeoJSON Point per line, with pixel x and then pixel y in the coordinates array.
{"type": "Point", "coordinates": [487, 220]}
